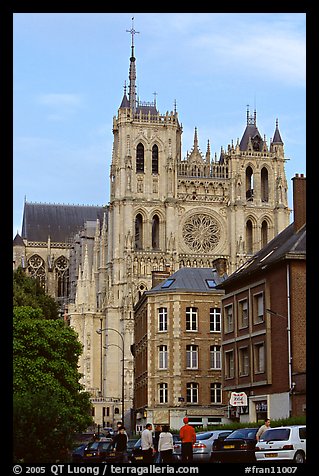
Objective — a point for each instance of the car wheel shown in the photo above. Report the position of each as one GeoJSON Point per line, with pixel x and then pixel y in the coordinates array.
{"type": "Point", "coordinates": [299, 457]}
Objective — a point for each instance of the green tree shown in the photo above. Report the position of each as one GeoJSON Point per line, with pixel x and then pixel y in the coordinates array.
{"type": "Point", "coordinates": [49, 403]}
{"type": "Point", "coordinates": [27, 291]}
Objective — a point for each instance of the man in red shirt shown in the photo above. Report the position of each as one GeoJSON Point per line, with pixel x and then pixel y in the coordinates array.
{"type": "Point", "coordinates": [188, 437]}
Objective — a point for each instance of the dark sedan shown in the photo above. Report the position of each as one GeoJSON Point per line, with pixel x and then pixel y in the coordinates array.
{"type": "Point", "coordinates": [101, 452]}
{"type": "Point", "coordinates": [238, 447]}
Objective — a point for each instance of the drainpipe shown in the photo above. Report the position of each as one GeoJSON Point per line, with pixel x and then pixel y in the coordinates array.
{"type": "Point", "coordinates": [289, 339]}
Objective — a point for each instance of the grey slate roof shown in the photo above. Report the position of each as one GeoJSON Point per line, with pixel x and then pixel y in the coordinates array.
{"type": "Point", "coordinates": [59, 221]}
{"type": "Point", "coordinates": [250, 131]}
{"type": "Point", "coordinates": [189, 279]}
{"type": "Point", "coordinates": [287, 245]}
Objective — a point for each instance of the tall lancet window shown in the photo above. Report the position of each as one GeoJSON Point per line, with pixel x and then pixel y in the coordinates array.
{"type": "Point", "coordinates": [249, 184]}
{"type": "Point", "coordinates": [155, 159]}
{"type": "Point", "coordinates": [138, 232]}
{"type": "Point", "coordinates": [264, 185]}
{"type": "Point", "coordinates": [155, 232]}
{"type": "Point", "coordinates": [249, 237]}
{"type": "Point", "coordinates": [264, 233]}
{"type": "Point", "coordinates": [140, 158]}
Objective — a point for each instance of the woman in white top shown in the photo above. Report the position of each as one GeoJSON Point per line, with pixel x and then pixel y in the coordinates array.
{"type": "Point", "coordinates": [165, 444]}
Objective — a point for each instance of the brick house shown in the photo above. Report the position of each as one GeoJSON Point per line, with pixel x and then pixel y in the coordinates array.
{"type": "Point", "coordinates": [177, 350]}
{"type": "Point", "coordinates": [264, 324]}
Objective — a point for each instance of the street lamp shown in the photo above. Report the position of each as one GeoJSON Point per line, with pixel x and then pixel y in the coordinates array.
{"type": "Point", "coordinates": [99, 331]}
{"type": "Point", "coordinates": [274, 313]}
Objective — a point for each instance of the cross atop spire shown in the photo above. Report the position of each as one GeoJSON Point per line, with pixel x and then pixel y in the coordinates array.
{"type": "Point", "coordinates": [133, 32]}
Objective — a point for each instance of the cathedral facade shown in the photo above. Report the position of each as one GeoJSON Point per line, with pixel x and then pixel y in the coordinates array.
{"type": "Point", "coordinates": [165, 211]}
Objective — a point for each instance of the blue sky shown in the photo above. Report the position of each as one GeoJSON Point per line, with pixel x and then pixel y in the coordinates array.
{"type": "Point", "coordinates": [68, 78]}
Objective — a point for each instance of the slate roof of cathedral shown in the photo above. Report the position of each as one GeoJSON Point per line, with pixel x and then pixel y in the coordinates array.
{"type": "Point", "coordinates": [59, 221]}
{"type": "Point", "coordinates": [288, 244]}
{"type": "Point", "coordinates": [190, 280]}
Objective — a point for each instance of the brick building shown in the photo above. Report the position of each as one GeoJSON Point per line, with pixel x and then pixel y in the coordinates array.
{"type": "Point", "coordinates": [177, 350]}
{"type": "Point", "coordinates": [264, 323]}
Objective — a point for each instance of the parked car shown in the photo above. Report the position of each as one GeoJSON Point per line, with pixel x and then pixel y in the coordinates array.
{"type": "Point", "coordinates": [202, 448]}
{"type": "Point", "coordinates": [77, 453]}
{"type": "Point", "coordinates": [101, 451]}
{"type": "Point", "coordinates": [130, 445]}
{"type": "Point", "coordinates": [284, 443]}
{"type": "Point", "coordinates": [237, 447]}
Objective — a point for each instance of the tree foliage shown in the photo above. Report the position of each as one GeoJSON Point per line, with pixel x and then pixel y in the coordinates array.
{"type": "Point", "coordinates": [28, 292]}
{"type": "Point", "coordinates": [49, 403]}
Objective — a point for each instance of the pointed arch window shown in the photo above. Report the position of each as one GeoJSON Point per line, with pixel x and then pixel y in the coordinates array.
{"type": "Point", "coordinates": [36, 269]}
{"type": "Point", "coordinates": [155, 159]}
{"type": "Point", "coordinates": [155, 232]}
{"type": "Point", "coordinates": [140, 158]}
{"type": "Point", "coordinates": [62, 277]}
{"type": "Point", "coordinates": [264, 233]}
{"type": "Point", "coordinates": [139, 232]}
{"type": "Point", "coordinates": [249, 237]}
{"type": "Point", "coordinates": [264, 185]}
{"type": "Point", "coordinates": [249, 184]}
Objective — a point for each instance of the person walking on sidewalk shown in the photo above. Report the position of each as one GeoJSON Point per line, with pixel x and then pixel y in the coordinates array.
{"type": "Point", "coordinates": [188, 437]}
{"type": "Point", "coordinates": [165, 445]}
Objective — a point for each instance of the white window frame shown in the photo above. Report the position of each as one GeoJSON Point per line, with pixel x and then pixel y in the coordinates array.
{"type": "Point", "coordinates": [215, 319]}
{"type": "Point", "coordinates": [216, 392]}
{"type": "Point", "coordinates": [162, 357]}
{"type": "Point", "coordinates": [162, 319]}
{"type": "Point", "coordinates": [215, 357]}
{"type": "Point", "coordinates": [192, 356]}
{"type": "Point", "coordinates": [163, 392]}
{"type": "Point", "coordinates": [191, 319]}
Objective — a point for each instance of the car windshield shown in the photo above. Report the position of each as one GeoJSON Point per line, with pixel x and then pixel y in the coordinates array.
{"type": "Point", "coordinates": [276, 434]}
{"type": "Point", "coordinates": [249, 433]}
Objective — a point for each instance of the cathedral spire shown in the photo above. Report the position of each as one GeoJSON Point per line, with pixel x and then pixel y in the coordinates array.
{"type": "Point", "coordinates": [132, 73]}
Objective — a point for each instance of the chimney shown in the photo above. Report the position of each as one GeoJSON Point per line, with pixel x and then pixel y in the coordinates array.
{"type": "Point", "coordinates": [299, 200]}
{"type": "Point", "coordinates": [221, 266]}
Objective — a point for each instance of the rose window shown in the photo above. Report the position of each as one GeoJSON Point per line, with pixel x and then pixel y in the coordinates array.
{"type": "Point", "coordinates": [201, 233]}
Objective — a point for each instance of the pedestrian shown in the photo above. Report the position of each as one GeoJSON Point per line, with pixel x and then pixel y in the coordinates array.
{"type": "Point", "coordinates": [147, 444]}
{"type": "Point", "coordinates": [188, 437]}
{"type": "Point", "coordinates": [263, 428]}
{"type": "Point", "coordinates": [120, 444]}
{"type": "Point", "coordinates": [157, 432]}
{"type": "Point", "coordinates": [166, 445]}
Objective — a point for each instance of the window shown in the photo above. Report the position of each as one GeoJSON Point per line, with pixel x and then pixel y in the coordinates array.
{"type": "Point", "coordinates": [192, 356]}
{"type": "Point", "coordinates": [259, 358]}
{"type": "Point", "coordinates": [191, 318]}
{"type": "Point", "coordinates": [243, 313]}
{"type": "Point", "coordinates": [264, 234]}
{"type": "Point", "coordinates": [249, 184]}
{"type": "Point", "coordinates": [229, 322]}
{"type": "Point", "coordinates": [215, 319]}
{"type": "Point", "coordinates": [258, 308]}
{"type": "Point", "coordinates": [264, 185]}
{"type": "Point", "coordinates": [154, 159]}
{"type": "Point", "coordinates": [215, 357]}
{"type": "Point", "coordinates": [243, 361]}
{"type": "Point", "coordinates": [167, 283]}
{"type": "Point", "coordinates": [162, 319]}
{"type": "Point", "coordinates": [163, 393]}
{"type": "Point", "coordinates": [140, 158]}
{"type": "Point", "coordinates": [155, 232]}
{"type": "Point", "coordinates": [139, 232]}
{"type": "Point", "coordinates": [249, 237]}
{"type": "Point", "coordinates": [162, 357]}
{"type": "Point", "coordinates": [211, 283]}
{"type": "Point", "coordinates": [215, 393]}
{"type": "Point", "coordinates": [229, 364]}
{"type": "Point", "coordinates": [192, 392]}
